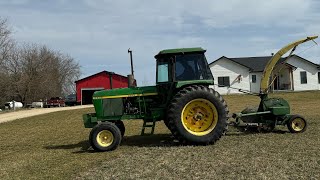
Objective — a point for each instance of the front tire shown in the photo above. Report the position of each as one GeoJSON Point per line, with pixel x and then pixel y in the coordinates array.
{"type": "Point", "coordinates": [105, 137]}
{"type": "Point", "coordinates": [198, 115]}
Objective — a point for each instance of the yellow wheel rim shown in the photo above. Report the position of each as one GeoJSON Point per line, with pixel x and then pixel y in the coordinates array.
{"type": "Point", "coordinates": [199, 117]}
{"type": "Point", "coordinates": [298, 124]}
{"type": "Point", "coordinates": [105, 138]}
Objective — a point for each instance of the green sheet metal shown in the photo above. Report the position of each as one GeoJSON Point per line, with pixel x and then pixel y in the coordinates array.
{"type": "Point", "coordinates": [194, 82]}
{"type": "Point", "coordinates": [125, 92]}
{"type": "Point", "coordinates": [181, 50]}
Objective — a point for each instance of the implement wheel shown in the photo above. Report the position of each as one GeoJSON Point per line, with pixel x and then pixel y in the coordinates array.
{"type": "Point", "coordinates": [197, 115]}
{"type": "Point", "coordinates": [105, 137]}
{"type": "Point", "coordinates": [297, 124]}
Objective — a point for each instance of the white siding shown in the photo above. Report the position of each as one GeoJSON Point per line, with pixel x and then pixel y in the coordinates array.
{"type": "Point", "coordinates": [225, 67]}
{"type": "Point", "coordinates": [312, 74]}
{"type": "Point", "coordinates": [255, 87]}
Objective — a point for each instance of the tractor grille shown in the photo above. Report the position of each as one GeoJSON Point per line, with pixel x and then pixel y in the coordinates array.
{"type": "Point", "coordinates": [112, 107]}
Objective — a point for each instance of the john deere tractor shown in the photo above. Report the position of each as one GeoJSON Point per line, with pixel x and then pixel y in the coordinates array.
{"type": "Point", "coordinates": [193, 112]}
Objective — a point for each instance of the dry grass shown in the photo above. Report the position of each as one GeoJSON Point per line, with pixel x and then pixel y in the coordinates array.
{"type": "Point", "coordinates": [55, 146]}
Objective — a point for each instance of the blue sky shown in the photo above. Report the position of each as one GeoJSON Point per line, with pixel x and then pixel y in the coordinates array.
{"type": "Point", "coordinates": [98, 33]}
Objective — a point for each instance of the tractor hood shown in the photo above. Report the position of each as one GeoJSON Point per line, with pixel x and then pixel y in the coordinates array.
{"type": "Point", "coordinates": [125, 92]}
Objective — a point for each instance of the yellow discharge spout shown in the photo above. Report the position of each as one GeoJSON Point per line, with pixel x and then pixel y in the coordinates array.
{"type": "Point", "coordinates": [273, 61]}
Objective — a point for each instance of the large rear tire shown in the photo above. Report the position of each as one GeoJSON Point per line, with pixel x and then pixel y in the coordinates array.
{"type": "Point", "coordinates": [105, 136]}
{"type": "Point", "coordinates": [198, 115]}
{"type": "Point", "coordinates": [121, 127]}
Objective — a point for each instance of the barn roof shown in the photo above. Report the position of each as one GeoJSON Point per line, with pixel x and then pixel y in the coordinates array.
{"type": "Point", "coordinates": [257, 64]}
{"type": "Point", "coordinates": [102, 72]}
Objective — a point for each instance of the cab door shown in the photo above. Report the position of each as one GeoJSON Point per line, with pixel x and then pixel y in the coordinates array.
{"type": "Point", "coordinates": [165, 84]}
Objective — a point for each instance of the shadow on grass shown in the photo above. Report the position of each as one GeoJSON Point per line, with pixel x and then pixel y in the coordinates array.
{"type": "Point", "coordinates": [83, 145]}
{"type": "Point", "coordinates": [167, 140]}
{"type": "Point", "coordinates": [156, 140]}
{"type": "Point", "coordinates": [278, 131]}
{"type": "Point", "coordinates": [250, 132]}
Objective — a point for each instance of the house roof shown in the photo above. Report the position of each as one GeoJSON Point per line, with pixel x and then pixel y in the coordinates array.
{"type": "Point", "coordinates": [230, 59]}
{"type": "Point", "coordinates": [105, 72]}
{"type": "Point", "coordinates": [257, 64]}
{"type": "Point", "coordinates": [317, 65]}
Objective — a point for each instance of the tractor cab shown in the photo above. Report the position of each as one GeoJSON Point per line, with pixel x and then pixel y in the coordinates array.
{"type": "Point", "coordinates": [177, 68]}
{"type": "Point", "coordinates": [186, 64]}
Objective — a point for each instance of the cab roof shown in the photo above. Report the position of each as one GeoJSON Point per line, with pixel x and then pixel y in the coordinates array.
{"type": "Point", "coordinates": [180, 50]}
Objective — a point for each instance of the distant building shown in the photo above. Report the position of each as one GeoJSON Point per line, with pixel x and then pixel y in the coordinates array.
{"type": "Point", "coordinates": [296, 74]}
{"type": "Point", "coordinates": [103, 80]}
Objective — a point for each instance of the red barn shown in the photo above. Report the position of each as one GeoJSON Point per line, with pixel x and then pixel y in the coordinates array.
{"type": "Point", "coordinates": [102, 80]}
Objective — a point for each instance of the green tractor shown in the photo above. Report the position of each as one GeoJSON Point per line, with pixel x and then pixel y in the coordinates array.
{"type": "Point", "coordinates": [193, 112]}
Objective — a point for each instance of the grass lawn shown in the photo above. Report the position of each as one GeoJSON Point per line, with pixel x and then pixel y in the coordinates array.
{"type": "Point", "coordinates": [55, 146]}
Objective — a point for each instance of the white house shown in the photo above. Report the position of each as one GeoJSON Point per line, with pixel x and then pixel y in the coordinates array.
{"type": "Point", "coordinates": [296, 74]}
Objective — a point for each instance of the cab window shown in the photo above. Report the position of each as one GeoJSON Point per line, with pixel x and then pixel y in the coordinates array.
{"type": "Point", "coordinates": [191, 67]}
{"type": "Point", "coordinates": [163, 72]}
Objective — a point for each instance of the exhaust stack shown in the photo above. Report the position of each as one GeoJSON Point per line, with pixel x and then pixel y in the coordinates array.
{"type": "Point", "coordinates": [131, 81]}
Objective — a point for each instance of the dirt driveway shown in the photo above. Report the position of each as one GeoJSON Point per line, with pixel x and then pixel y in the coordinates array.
{"type": "Point", "coordinates": [10, 116]}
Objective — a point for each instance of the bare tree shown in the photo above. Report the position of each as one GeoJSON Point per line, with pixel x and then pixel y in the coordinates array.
{"type": "Point", "coordinates": [69, 72]}
{"type": "Point", "coordinates": [31, 72]}
{"type": "Point", "coordinates": [39, 73]}
{"type": "Point", "coordinates": [6, 46]}
{"type": "Point", "coordinates": [6, 42]}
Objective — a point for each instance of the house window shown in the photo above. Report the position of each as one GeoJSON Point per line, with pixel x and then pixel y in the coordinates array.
{"type": "Point", "coordinates": [224, 81]}
{"type": "Point", "coordinates": [319, 77]}
{"type": "Point", "coordinates": [254, 78]}
{"type": "Point", "coordinates": [303, 77]}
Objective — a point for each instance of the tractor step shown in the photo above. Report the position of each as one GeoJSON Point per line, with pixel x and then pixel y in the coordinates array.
{"type": "Point", "coordinates": [148, 125]}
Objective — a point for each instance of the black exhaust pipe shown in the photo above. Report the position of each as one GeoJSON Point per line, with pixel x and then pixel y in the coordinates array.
{"type": "Point", "coordinates": [131, 81]}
